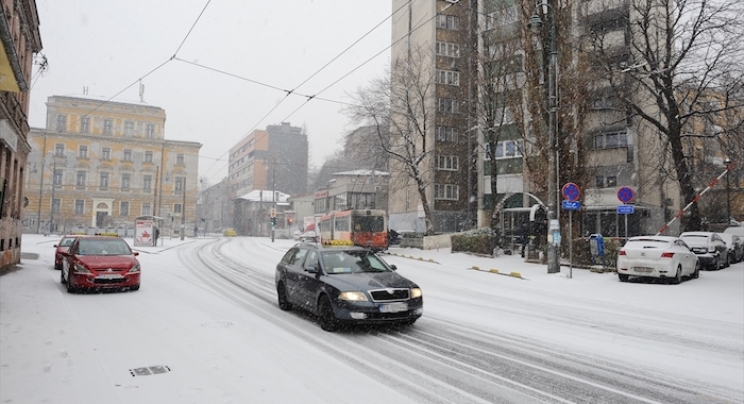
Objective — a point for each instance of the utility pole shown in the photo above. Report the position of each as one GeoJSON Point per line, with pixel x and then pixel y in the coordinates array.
{"type": "Point", "coordinates": [183, 210]}
{"type": "Point", "coordinates": [51, 204]}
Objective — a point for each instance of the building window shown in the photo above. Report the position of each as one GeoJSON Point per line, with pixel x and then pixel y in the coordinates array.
{"type": "Point", "coordinates": [126, 179]}
{"type": "Point", "coordinates": [146, 209]}
{"type": "Point", "coordinates": [57, 177]}
{"type": "Point", "coordinates": [84, 124]}
{"type": "Point", "coordinates": [448, 49]}
{"type": "Point", "coordinates": [446, 192]}
{"type": "Point", "coordinates": [59, 149]}
{"type": "Point", "coordinates": [108, 126]}
{"type": "Point", "coordinates": [104, 180]}
{"type": "Point", "coordinates": [177, 208]}
{"type": "Point", "coordinates": [448, 163]}
{"type": "Point", "coordinates": [449, 22]}
{"type": "Point", "coordinates": [81, 178]}
{"type": "Point", "coordinates": [611, 181]}
{"type": "Point", "coordinates": [124, 209]}
{"type": "Point", "coordinates": [61, 123]}
{"type": "Point", "coordinates": [127, 156]}
{"type": "Point", "coordinates": [448, 77]}
{"type": "Point", "coordinates": [148, 157]}
{"type": "Point", "coordinates": [79, 206]}
{"type": "Point", "coordinates": [128, 128]}
{"type": "Point", "coordinates": [605, 182]}
{"type": "Point", "coordinates": [447, 105]}
{"type": "Point", "coordinates": [446, 134]}
{"type": "Point", "coordinates": [147, 182]}
{"type": "Point", "coordinates": [56, 205]}
{"type": "Point", "coordinates": [179, 159]}
{"type": "Point", "coordinates": [179, 184]}
{"type": "Point", "coordinates": [613, 140]}
{"type": "Point", "coordinates": [505, 150]}
{"type": "Point", "coordinates": [106, 153]}
{"type": "Point", "coordinates": [83, 152]}
{"type": "Point", "coordinates": [149, 130]}
{"type": "Point", "coordinates": [502, 17]}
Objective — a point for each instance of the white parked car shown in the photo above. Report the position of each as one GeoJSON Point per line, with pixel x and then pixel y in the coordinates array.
{"type": "Point", "coordinates": [663, 257]}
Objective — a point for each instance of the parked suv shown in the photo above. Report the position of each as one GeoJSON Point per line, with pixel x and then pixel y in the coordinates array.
{"type": "Point", "coordinates": [735, 246]}
{"type": "Point", "coordinates": [345, 285]}
{"type": "Point", "coordinates": [709, 247]}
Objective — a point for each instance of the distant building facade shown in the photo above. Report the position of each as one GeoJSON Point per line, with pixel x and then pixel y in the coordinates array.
{"type": "Point", "coordinates": [99, 164]}
{"type": "Point", "coordinates": [20, 39]}
{"type": "Point", "coordinates": [271, 159]}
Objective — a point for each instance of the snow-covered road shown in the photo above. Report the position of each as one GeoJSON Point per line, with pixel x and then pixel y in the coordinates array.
{"type": "Point", "coordinates": [207, 315]}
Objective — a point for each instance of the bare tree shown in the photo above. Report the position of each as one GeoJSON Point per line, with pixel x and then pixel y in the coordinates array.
{"type": "Point", "coordinates": [676, 57]}
{"type": "Point", "coordinates": [400, 107]}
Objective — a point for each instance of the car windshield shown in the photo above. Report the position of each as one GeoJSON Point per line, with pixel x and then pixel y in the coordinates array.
{"type": "Point", "coordinates": [340, 262]}
{"type": "Point", "coordinates": [103, 247]}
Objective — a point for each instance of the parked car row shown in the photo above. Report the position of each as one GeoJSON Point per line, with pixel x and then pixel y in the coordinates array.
{"type": "Point", "coordinates": [674, 258]}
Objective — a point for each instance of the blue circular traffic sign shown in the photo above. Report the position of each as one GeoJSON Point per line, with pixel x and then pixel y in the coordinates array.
{"type": "Point", "coordinates": [625, 194]}
{"type": "Point", "coordinates": [570, 192]}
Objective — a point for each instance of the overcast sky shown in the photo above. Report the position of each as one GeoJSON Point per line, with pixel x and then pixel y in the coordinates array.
{"type": "Point", "coordinates": [107, 46]}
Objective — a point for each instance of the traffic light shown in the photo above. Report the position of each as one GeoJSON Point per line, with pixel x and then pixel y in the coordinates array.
{"type": "Point", "coordinates": [273, 221]}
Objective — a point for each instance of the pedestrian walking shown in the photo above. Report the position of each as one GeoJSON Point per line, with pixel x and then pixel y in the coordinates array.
{"type": "Point", "coordinates": [525, 236]}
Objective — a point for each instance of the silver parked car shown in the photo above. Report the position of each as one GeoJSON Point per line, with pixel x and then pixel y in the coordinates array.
{"type": "Point", "coordinates": [735, 246]}
{"type": "Point", "coordinates": [709, 247]}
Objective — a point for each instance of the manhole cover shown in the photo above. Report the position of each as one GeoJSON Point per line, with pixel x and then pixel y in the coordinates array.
{"type": "Point", "coordinates": [150, 370]}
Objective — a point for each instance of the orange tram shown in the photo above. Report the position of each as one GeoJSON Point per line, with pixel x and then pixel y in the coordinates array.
{"type": "Point", "coordinates": [361, 227]}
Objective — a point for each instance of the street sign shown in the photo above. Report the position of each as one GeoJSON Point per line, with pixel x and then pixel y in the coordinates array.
{"type": "Point", "coordinates": [570, 192]}
{"type": "Point", "coordinates": [625, 194]}
{"type": "Point", "coordinates": [568, 205]}
{"type": "Point", "coordinates": [625, 209]}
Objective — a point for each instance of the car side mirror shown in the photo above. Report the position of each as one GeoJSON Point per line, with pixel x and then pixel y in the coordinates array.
{"type": "Point", "coordinates": [393, 267]}
{"type": "Point", "coordinates": [136, 253]}
{"type": "Point", "coordinates": [55, 246]}
{"type": "Point", "coordinates": [311, 269]}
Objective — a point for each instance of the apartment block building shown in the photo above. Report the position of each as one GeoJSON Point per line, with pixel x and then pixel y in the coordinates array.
{"type": "Point", "coordinates": [20, 40]}
{"type": "Point", "coordinates": [99, 164]}
{"type": "Point", "coordinates": [272, 159]}
{"type": "Point", "coordinates": [436, 37]}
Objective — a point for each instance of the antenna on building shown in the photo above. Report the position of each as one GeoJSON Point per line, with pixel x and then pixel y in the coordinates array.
{"type": "Point", "coordinates": [141, 91]}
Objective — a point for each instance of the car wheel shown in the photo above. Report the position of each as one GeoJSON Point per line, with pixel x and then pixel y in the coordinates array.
{"type": "Point", "coordinates": [328, 321]}
{"type": "Point", "coordinates": [135, 287]}
{"type": "Point", "coordinates": [677, 277]}
{"type": "Point", "coordinates": [281, 294]}
{"type": "Point", "coordinates": [728, 260]}
{"type": "Point", "coordinates": [57, 267]}
{"type": "Point", "coordinates": [719, 262]}
{"type": "Point", "coordinates": [62, 277]}
{"type": "Point", "coordinates": [70, 288]}
{"type": "Point", "coordinates": [696, 272]}
{"type": "Point", "coordinates": [623, 277]}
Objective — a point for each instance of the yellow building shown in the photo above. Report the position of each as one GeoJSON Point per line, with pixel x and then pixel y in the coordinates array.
{"type": "Point", "coordinates": [99, 164]}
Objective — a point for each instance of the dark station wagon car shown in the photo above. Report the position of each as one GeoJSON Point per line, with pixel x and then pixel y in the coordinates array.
{"type": "Point", "coordinates": [345, 285]}
{"type": "Point", "coordinates": [100, 262]}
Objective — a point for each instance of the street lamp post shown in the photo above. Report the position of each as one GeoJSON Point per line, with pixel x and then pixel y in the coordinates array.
{"type": "Point", "coordinates": [536, 27]}
{"type": "Point", "coordinates": [728, 199]}
{"type": "Point", "coordinates": [51, 204]}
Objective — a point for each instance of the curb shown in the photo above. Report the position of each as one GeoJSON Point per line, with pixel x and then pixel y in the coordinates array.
{"type": "Point", "coordinates": [497, 272]}
{"type": "Point", "coordinates": [414, 258]}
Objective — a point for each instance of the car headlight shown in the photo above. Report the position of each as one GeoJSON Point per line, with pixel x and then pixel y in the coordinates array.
{"type": "Point", "coordinates": [135, 268]}
{"type": "Point", "coordinates": [354, 296]}
{"type": "Point", "coordinates": [80, 268]}
{"type": "Point", "coordinates": [416, 293]}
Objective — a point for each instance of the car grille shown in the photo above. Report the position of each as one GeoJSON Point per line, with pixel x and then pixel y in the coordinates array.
{"type": "Point", "coordinates": [388, 295]}
{"type": "Point", "coordinates": [108, 281]}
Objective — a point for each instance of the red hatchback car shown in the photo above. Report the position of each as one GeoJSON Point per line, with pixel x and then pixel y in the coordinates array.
{"type": "Point", "coordinates": [60, 248]}
{"type": "Point", "coordinates": [100, 262]}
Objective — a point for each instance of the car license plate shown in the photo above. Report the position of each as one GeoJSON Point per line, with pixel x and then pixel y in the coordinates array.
{"type": "Point", "coordinates": [109, 276]}
{"type": "Point", "coordinates": [394, 307]}
{"type": "Point", "coordinates": [643, 269]}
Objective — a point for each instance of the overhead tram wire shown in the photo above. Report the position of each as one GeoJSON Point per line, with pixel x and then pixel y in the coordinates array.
{"type": "Point", "coordinates": [309, 97]}
{"type": "Point", "coordinates": [367, 61]}
{"type": "Point", "coordinates": [191, 29]}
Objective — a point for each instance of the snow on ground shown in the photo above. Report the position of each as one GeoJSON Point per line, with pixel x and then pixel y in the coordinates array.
{"type": "Point", "coordinates": [61, 348]}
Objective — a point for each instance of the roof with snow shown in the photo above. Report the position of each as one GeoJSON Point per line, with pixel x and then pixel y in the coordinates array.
{"type": "Point", "coordinates": [264, 195]}
{"type": "Point", "coordinates": [363, 173]}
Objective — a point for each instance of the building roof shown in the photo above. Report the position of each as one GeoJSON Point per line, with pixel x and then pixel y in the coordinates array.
{"type": "Point", "coordinates": [259, 195]}
{"type": "Point", "coordinates": [361, 173]}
